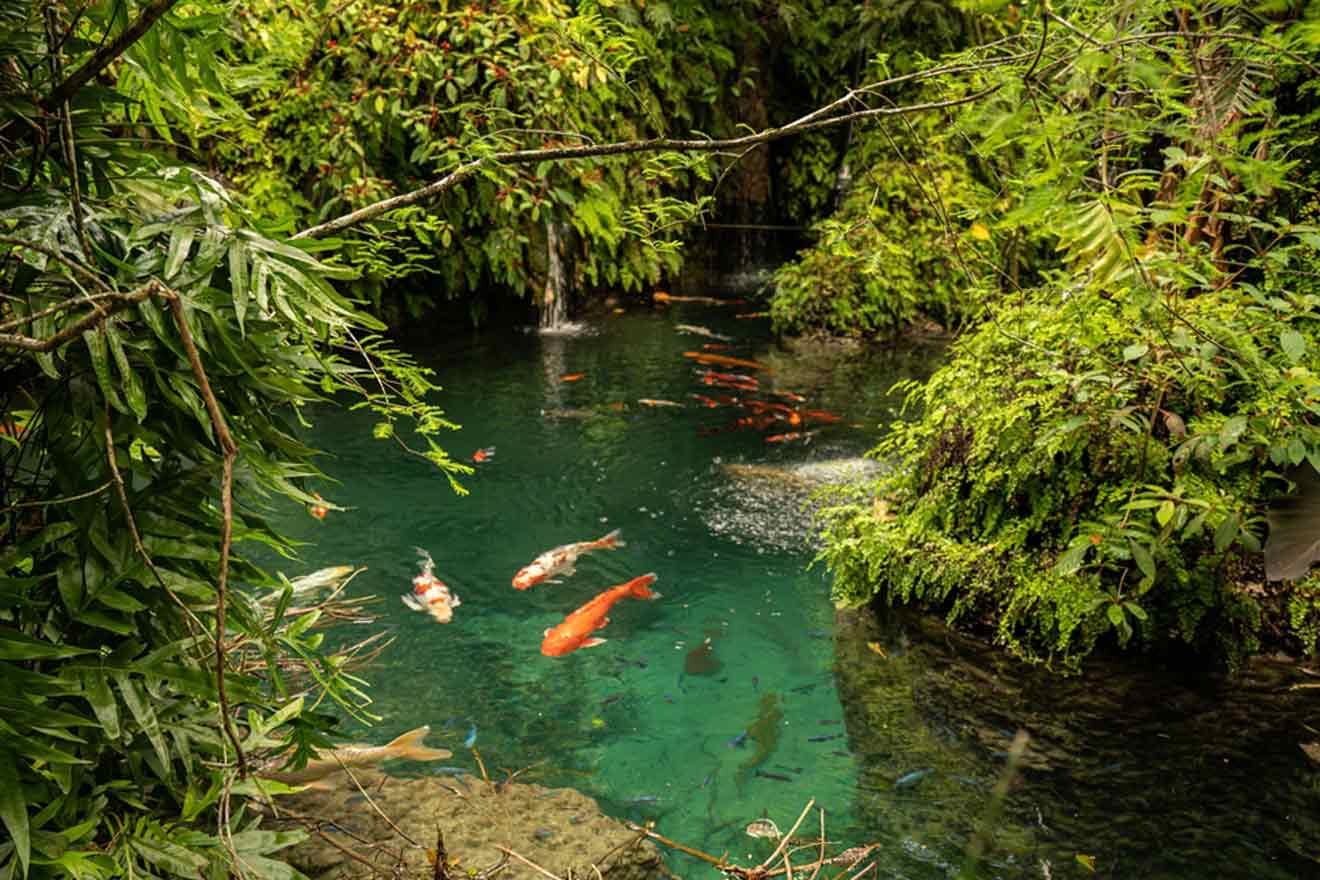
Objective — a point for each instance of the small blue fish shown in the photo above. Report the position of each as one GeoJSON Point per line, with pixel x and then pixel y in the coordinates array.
{"type": "Point", "coordinates": [471, 738]}
{"type": "Point", "coordinates": [824, 737]}
{"type": "Point", "coordinates": [907, 780]}
{"type": "Point", "coordinates": [643, 799]}
{"type": "Point", "coordinates": [710, 777]}
{"type": "Point", "coordinates": [737, 741]}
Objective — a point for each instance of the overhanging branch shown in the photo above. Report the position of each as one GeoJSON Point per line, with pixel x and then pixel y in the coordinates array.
{"type": "Point", "coordinates": [807, 123]}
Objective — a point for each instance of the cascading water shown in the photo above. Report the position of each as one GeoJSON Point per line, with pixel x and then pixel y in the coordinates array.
{"type": "Point", "coordinates": [554, 300]}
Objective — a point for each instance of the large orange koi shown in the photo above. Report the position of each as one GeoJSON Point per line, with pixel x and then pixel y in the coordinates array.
{"type": "Point", "coordinates": [576, 630]}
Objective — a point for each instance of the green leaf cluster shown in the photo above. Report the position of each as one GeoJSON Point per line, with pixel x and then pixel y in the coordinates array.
{"type": "Point", "coordinates": [1095, 462]}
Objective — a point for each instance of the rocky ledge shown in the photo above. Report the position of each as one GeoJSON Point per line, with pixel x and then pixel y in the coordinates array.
{"type": "Point", "coordinates": [560, 830]}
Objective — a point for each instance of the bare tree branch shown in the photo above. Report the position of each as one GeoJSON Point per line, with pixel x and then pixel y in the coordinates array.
{"type": "Point", "coordinates": [621, 148]}
{"type": "Point", "coordinates": [116, 302]}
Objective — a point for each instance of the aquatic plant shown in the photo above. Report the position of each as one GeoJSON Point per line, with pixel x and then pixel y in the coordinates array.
{"type": "Point", "coordinates": [764, 731]}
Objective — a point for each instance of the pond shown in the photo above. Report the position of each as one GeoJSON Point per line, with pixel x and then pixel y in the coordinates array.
{"type": "Point", "coordinates": [718, 703]}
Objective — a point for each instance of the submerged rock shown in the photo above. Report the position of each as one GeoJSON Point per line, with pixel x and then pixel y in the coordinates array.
{"type": "Point", "coordinates": [561, 830]}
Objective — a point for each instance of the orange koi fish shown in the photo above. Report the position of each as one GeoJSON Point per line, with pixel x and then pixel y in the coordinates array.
{"type": "Point", "coordinates": [560, 560]}
{"type": "Point", "coordinates": [661, 296]}
{"type": "Point", "coordinates": [485, 454]}
{"type": "Point", "coordinates": [649, 401]}
{"type": "Point", "coordinates": [572, 377]}
{"type": "Point", "coordinates": [716, 346]}
{"type": "Point", "coordinates": [318, 509]}
{"type": "Point", "coordinates": [790, 395]}
{"type": "Point", "coordinates": [704, 357]}
{"type": "Point", "coordinates": [576, 630]}
{"type": "Point", "coordinates": [820, 415]}
{"type": "Point", "coordinates": [430, 593]}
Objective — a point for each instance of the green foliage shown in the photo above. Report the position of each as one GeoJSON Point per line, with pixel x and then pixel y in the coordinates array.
{"type": "Point", "coordinates": [892, 255]}
{"type": "Point", "coordinates": [146, 318]}
{"type": "Point", "coordinates": [369, 100]}
{"type": "Point", "coordinates": [1097, 458]}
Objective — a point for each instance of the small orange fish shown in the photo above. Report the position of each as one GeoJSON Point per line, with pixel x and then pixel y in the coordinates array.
{"type": "Point", "coordinates": [820, 415]}
{"type": "Point", "coordinates": [790, 436]}
{"type": "Point", "coordinates": [561, 559]}
{"type": "Point", "coordinates": [572, 377]}
{"type": "Point", "coordinates": [706, 401]}
{"type": "Point", "coordinates": [649, 401]}
{"type": "Point", "coordinates": [703, 357]}
{"type": "Point", "coordinates": [790, 395]}
{"type": "Point", "coordinates": [577, 628]}
{"type": "Point", "coordinates": [485, 454]}
{"type": "Point", "coordinates": [318, 509]}
{"type": "Point", "coordinates": [716, 346]}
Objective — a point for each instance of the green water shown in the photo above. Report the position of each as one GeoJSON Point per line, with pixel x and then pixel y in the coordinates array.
{"type": "Point", "coordinates": [1153, 777]}
{"type": "Point", "coordinates": [625, 721]}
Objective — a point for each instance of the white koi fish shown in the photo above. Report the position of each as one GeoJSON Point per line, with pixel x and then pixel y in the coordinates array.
{"type": "Point", "coordinates": [560, 560]}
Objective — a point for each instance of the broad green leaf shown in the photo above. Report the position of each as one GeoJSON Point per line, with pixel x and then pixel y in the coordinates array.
{"type": "Point", "coordinates": [1226, 532]}
{"type": "Point", "coordinates": [140, 706]}
{"type": "Point", "coordinates": [1135, 351]}
{"type": "Point", "coordinates": [1141, 556]}
{"type": "Point", "coordinates": [102, 700]}
{"type": "Point", "coordinates": [1164, 513]}
{"type": "Point", "coordinates": [1293, 344]}
{"type": "Point", "coordinates": [133, 390]}
{"type": "Point", "coordinates": [1115, 614]}
{"type": "Point", "coordinates": [238, 282]}
{"type": "Point", "coordinates": [13, 809]}
{"type": "Point", "coordinates": [15, 645]}
{"type": "Point", "coordinates": [181, 240]}
{"type": "Point", "coordinates": [96, 347]}
{"type": "Point", "coordinates": [170, 856]}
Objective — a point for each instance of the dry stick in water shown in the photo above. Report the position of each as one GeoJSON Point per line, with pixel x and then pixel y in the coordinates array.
{"type": "Point", "coordinates": [982, 836]}
{"type": "Point", "coordinates": [379, 812]}
{"type": "Point", "coordinates": [528, 862]}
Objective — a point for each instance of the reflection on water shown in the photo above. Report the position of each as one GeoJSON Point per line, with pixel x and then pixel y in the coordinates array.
{"type": "Point", "coordinates": [720, 703]}
{"type": "Point", "coordinates": [1152, 774]}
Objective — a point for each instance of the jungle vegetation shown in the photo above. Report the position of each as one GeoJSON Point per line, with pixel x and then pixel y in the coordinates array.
{"type": "Point", "coordinates": [211, 211]}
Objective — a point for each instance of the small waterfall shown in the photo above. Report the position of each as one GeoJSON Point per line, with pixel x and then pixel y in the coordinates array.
{"type": "Point", "coordinates": [554, 301]}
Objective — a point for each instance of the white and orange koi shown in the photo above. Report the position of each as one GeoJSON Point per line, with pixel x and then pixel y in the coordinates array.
{"type": "Point", "coordinates": [561, 560]}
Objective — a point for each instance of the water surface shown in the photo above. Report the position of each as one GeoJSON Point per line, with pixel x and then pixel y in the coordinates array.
{"type": "Point", "coordinates": [720, 702]}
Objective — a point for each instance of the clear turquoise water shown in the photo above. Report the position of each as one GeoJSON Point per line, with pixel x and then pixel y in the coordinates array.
{"type": "Point", "coordinates": [624, 722]}
{"type": "Point", "coordinates": [1153, 775]}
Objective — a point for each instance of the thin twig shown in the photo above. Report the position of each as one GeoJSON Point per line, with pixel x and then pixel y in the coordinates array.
{"type": "Point", "coordinates": [230, 451]}
{"type": "Point", "coordinates": [783, 841]}
{"type": "Point", "coordinates": [528, 863]}
{"type": "Point", "coordinates": [371, 866]}
{"type": "Point", "coordinates": [194, 624]}
{"type": "Point", "coordinates": [371, 803]}
{"type": "Point", "coordinates": [59, 257]}
{"type": "Point", "coordinates": [118, 302]}
{"type": "Point", "coordinates": [19, 505]}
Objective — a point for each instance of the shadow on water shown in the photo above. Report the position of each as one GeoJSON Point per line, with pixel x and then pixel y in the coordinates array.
{"type": "Point", "coordinates": [1153, 774]}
